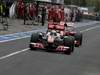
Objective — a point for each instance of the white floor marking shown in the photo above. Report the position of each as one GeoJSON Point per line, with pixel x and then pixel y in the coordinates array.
{"type": "Point", "coordinates": [14, 53]}
{"type": "Point", "coordinates": [17, 52]}
{"type": "Point", "coordinates": [88, 29]}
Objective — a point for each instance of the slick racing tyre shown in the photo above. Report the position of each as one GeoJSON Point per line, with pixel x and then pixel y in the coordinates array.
{"type": "Point", "coordinates": [34, 39]}
{"type": "Point", "coordinates": [78, 38]}
{"type": "Point", "coordinates": [69, 41]}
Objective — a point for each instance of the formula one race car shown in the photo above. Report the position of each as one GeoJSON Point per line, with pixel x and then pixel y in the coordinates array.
{"type": "Point", "coordinates": [54, 39]}
{"type": "Point", "coordinates": [70, 31]}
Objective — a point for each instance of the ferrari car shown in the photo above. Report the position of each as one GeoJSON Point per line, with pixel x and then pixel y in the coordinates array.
{"type": "Point", "coordinates": [53, 40]}
{"type": "Point", "coordinates": [70, 30]}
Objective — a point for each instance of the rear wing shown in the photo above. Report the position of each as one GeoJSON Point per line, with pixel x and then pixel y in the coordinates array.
{"type": "Point", "coordinates": [56, 26]}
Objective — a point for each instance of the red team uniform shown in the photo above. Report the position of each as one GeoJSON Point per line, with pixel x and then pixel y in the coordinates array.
{"type": "Point", "coordinates": [56, 14]}
{"type": "Point", "coordinates": [20, 8]}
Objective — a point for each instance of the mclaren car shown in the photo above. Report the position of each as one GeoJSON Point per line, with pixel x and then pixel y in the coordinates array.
{"type": "Point", "coordinates": [54, 39]}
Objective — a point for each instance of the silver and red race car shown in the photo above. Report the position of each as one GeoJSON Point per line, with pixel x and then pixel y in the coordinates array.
{"type": "Point", "coordinates": [54, 39]}
{"type": "Point", "coordinates": [57, 38]}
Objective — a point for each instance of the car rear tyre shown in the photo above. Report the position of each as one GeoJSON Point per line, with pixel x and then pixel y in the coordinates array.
{"type": "Point", "coordinates": [34, 37]}
{"type": "Point", "coordinates": [78, 37]}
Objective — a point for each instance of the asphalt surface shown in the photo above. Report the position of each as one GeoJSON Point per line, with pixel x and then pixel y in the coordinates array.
{"type": "Point", "coordinates": [84, 61]}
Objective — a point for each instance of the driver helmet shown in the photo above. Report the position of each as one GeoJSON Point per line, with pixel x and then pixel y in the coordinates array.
{"type": "Point", "coordinates": [53, 32]}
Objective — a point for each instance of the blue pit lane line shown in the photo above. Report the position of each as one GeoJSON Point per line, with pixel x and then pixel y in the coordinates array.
{"type": "Point", "coordinates": [15, 36]}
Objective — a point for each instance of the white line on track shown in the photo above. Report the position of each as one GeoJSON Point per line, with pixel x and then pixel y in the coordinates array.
{"type": "Point", "coordinates": [88, 29]}
{"type": "Point", "coordinates": [24, 50]}
{"type": "Point", "coordinates": [14, 53]}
